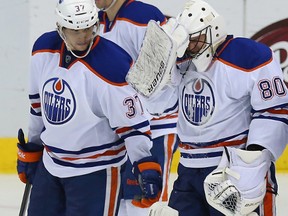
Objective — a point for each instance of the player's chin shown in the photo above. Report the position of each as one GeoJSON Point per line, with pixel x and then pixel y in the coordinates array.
{"type": "Point", "coordinates": [81, 47]}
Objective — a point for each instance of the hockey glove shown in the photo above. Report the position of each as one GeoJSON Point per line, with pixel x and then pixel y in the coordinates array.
{"type": "Point", "coordinates": [29, 155]}
{"type": "Point", "coordinates": [179, 35]}
{"type": "Point", "coordinates": [238, 185]}
{"type": "Point", "coordinates": [149, 175]}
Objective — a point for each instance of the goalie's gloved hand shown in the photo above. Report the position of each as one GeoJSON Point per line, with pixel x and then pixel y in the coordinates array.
{"type": "Point", "coordinates": [29, 155]}
{"type": "Point", "coordinates": [149, 175]}
{"type": "Point", "coordinates": [238, 185]}
{"type": "Point", "coordinates": [179, 35]}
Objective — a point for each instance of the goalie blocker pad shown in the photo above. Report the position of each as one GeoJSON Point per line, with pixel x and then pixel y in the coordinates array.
{"type": "Point", "coordinates": [152, 69]}
{"type": "Point", "coordinates": [238, 185]}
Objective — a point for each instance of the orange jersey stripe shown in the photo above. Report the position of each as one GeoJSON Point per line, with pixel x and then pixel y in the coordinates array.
{"type": "Point", "coordinates": [45, 51]}
{"type": "Point", "coordinates": [123, 130]}
{"type": "Point", "coordinates": [171, 141]}
{"type": "Point", "coordinates": [228, 143]}
{"type": "Point", "coordinates": [268, 202]}
{"type": "Point", "coordinates": [100, 76]}
{"type": "Point", "coordinates": [282, 111]}
{"type": "Point", "coordinates": [244, 69]}
{"type": "Point", "coordinates": [171, 116]}
{"type": "Point", "coordinates": [107, 153]}
{"type": "Point", "coordinates": [113, 191]}
{"type": "Point", "coordinates": [36, 105]}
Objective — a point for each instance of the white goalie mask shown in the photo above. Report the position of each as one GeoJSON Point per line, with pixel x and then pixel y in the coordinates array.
{"type": "Point", "coordinates": [200, 18]}
{"type": "Point", "coordinates": [76, 14]}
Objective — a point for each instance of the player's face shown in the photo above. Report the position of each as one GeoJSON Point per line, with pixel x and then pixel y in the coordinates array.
{"type": "Point", "coordinates": [78, 40]}
{"type": "Point", "coordinates": [196, 44]}
{"type": "Point", "coordinates": [103, 3]}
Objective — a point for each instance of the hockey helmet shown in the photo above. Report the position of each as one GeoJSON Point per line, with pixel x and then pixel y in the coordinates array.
{"type": "Point", "coordinates": [199, 18]}
{"type": "Point", "coordinates": [76, 14]}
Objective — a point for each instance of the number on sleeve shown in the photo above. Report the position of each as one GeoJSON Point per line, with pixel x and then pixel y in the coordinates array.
{"type": "Point", "coordinates": [131, 103]}
{"type": "Point", "coordinates": [269, 89]}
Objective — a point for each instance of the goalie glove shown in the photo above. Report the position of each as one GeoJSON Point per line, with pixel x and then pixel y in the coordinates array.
{"type": "Point", "coordinates": [149, 175]}
{"type": "Point", "coordinates": [238, 185]}
{"type": "Point", "coordinates": [157, 57]}
{"type": "Point", "coordinates": [29, 155]}
{"type": "Point", "coordinates": [179, 35]}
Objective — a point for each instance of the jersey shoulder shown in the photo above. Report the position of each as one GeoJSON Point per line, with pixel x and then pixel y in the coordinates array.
{"type": "Point", "coordinates": [138, 12]}
{"type": "Point", "coordinates": [48, 42]}
{"type": "Point", "coordinates": [243, 53]}
{"type": "Point", "coordinates": [141, 12]}
{"type": "Point", "coordinates": [109, 61]}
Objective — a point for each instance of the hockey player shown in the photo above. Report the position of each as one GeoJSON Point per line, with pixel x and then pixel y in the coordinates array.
{"type": "Point", "coordinates": [233, 115]}
{"type": "Point", "coordinates": [83, 118]}
{"type": "Point", "coordinates": [124, 22]}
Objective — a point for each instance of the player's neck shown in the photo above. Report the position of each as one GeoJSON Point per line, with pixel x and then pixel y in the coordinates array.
{"type": "Point", "coordinates": [112, 12]}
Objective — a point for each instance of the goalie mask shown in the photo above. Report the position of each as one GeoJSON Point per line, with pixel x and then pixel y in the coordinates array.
{"type": "Point", "coordinates": [76, 15]}
{"type": "Point", "coordinates": [200, 19]}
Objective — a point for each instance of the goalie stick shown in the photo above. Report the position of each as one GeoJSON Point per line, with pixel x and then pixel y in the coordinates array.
{"type": "Point", "coordinates": [25, 199]}
{"type": "Point", "coordinates": [152, 69]}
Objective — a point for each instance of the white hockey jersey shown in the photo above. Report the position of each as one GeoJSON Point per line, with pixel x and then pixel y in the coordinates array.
{"type": "Point", "coordinates": [82, 110]}
{"type": "Point", "coordinates": [240, 100]}
{"type": "Point", "coordinates": [128, 30]}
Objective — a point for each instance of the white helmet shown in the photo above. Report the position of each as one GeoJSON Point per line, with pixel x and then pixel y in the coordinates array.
{"type": "Point", "coordinates": [198, 18]}
{"type": "Point", "coordinates": [76, 14]}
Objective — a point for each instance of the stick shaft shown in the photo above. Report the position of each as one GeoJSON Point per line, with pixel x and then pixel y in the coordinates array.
{"type": "Point", "coordinates": [25, 199]}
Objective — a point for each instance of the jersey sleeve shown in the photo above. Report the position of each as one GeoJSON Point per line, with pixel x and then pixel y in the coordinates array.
{"type": "Point", "coordinates": [269, 101]}
{"type": "Point", "coordinates": [164, 102]}
{"type": "Point", "coordinates": [36, 124]}
{"type": "Point", "coordinates": [123, 107]}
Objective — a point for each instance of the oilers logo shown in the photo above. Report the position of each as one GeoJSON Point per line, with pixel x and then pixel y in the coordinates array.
{"type": "Point", "coordinates": [58, 101]}
{"type": "Point", "coordinates": [198, 102]}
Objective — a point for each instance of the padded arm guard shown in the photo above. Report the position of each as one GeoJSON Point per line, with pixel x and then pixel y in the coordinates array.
{"type": "Point", "coordinates": [238, 185]}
